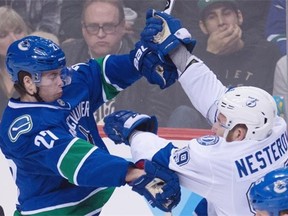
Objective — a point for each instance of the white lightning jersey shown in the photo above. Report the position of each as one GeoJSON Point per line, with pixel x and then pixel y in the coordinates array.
{"type": "Point", "coordinates": [218, 170]}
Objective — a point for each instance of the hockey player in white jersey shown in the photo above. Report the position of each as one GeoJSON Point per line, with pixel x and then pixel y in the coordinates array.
{"type": "Point", "coordinates": [269, 195]}
{"type": "Point", "coordinates": [249, 138]}
{"type": "Point", "coordinates": [59, 162]}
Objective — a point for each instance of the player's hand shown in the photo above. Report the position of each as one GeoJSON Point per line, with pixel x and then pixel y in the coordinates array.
{"type": "Point", "coordinates": [225, 40]}
{"type": "Point", "coordinates": [120, 125]}
{"type": "Point", "coordinates": [164, 33]}
{"type": "Point", "coordinates": [160, 186]}
{"type": "Point", "coordinates": [161, 72]}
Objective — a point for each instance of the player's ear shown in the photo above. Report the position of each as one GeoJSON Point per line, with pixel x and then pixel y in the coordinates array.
{"type": "Point", "coordinates": [29, 84]}
{"type": "Point", "coordinates": [239, 134]}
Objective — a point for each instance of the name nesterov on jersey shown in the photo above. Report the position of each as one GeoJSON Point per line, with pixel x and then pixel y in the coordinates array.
{"type": "Point", "coordinates": [264, 157]}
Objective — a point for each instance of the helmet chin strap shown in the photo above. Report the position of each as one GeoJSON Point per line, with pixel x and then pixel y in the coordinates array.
{"type": "Point", "coordinates": [36, 95]}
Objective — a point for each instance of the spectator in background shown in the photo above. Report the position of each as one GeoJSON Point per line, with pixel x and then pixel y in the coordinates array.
{"type": "Point", "coordinates": [103, 32]}
{"type": "Point", "coordinates": [71, 16]}
{"type": "Point", "coordinates": [276, 25]}
{"type": "Point", "coordinates": [70, 25]}
{"type": "Point", "coordinates": [12, 28]}
{"type": "Point", "coordinates": [237, 57]}
{"type": "Point", "coordinates": [41, 15]}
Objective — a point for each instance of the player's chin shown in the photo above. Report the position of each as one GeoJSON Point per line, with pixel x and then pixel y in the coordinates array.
{"type": "Point", "coordinates": [56, 97]}
{"type": "Point", "coordinates": [59, 95]}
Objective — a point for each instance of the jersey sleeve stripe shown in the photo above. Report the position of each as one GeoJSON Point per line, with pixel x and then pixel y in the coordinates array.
{"type": "Point", "coordinates": [63, 154]}
{"type": "Point", "coordinates": [81, 163]}
{"type": "Point", "coordinates": [72, 157]}
{"type": "Point", "coordinates": [109, 90]}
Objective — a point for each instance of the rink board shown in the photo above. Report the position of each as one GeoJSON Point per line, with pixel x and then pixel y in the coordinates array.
{"type": "Point", "coordinates": [124, 201]}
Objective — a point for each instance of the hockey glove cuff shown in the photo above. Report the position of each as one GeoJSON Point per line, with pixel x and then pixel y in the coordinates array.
{"type": "Point", "coordinates": [120, 125]}
{"type": "Point", "coordinates": [157, 71]}
{"type": "Point", "coordinates": [160, 186]}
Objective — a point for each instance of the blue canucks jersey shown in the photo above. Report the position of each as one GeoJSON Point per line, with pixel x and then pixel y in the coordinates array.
{"type": "Point", "coordinates": [57, 172]}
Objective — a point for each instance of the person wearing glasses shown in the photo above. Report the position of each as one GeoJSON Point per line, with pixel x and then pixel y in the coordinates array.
{"type": "Point", "coordinates": [103, 30]}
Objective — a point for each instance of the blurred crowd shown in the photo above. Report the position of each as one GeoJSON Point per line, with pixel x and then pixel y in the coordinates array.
{"type": "Point", "coordinates": [243, 42]}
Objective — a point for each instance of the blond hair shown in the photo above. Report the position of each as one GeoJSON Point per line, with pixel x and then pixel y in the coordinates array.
{"type": "Point", "coordinates": [46, 35]}
{"type": "Point", "coordinates": [10, 19]}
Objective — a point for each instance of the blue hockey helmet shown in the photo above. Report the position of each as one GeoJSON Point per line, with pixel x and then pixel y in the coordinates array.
{"type": "Point", "coordinates": [34, 55]}
{"type": "Point", "coordinates": [270, 193]}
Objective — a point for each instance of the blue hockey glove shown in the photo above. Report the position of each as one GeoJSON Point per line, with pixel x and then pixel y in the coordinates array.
{"type": "Point", "coordinates": [120, 124]}
{"type": "Point", "coordinates": [156, 71]}
{"type": "Point", "coordinates": [165, 34]}
{"type": "Point", "coordinates": [160, 186]}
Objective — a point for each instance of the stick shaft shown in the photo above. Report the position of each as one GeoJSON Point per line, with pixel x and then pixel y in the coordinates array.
{"type": "Point", "coordinates": [169, 6]}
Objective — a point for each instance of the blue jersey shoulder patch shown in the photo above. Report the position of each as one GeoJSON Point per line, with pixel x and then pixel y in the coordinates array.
{"type": "Point", "coordinates": [208, 140]}
{"type": "Point", "coordinates": [21, 125]}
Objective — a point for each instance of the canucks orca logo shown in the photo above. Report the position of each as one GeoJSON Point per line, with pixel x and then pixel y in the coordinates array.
{"type": "Point", "coordinates": [280, 186]}
{"type": "Point", "coordinates": [21, 125]}
{"type": "Point", "coordinates": [208, 140]}
{"type": "Point", "coordinates": [24, 45]}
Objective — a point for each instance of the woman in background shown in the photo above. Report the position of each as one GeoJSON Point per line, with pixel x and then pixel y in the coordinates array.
{"type": "Point", "coordinates": [12, 28]}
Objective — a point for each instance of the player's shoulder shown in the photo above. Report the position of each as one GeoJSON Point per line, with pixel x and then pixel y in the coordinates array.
{"type": "Point", "coordinates": [23, 120]}
{"type": "Point", "coordinates": [208, 140]}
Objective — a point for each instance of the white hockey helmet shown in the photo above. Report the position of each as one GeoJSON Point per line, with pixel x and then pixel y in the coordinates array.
{"type": "Point", "coordinates": [251, 106]}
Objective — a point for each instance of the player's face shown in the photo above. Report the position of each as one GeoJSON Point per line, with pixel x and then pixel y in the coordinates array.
{"type": "Point", "coordinates": [50, 87]}
{"type": "Point", "coordinates": [219, 126]}
{"type": "Point", "coordinates": [219, 18]}
{"type": "Point", "coordinates": [262, 213]}
{"type": "Point", "coordinates": [102, 29]}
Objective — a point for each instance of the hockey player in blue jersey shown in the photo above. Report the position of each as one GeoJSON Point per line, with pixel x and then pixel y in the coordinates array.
{"type": "Point", "coordinates": [60, 164]}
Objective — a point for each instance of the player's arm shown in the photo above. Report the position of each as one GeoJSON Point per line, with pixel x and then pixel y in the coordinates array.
{"type": "Point", "coordinates": [138, 131]}
{"type": "Point", "coordinates": [194, 75]}
{"type": "Point", "coordinates": [122, 126]}
{"type": "Point", "coordinates": [84, 164]}
{"type": "Point", "coordinates": [123, 70]}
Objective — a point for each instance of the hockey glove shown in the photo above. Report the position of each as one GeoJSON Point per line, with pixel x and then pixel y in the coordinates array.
{"type": "Point", "coordinates": [160, 186]}
{"type": "Point", "coordinates": [165, 34]}
{"type": "Point", "coordinates": [120, 124]}
{"type": "Point", "coordinates": [156, 71]}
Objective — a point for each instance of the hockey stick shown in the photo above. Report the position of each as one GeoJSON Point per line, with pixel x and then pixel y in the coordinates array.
{"type": "Point", "coordinates": [160, 37]}
{"type": "Point", "coordinates": [169, 6]}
